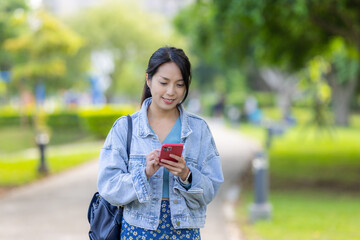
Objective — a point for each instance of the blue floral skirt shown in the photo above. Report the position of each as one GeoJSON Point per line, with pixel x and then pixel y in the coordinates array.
{"type": "Point", "coordinates": [164, 231]}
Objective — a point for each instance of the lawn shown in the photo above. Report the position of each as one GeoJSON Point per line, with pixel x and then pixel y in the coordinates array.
{"type": "Point", "coordinates": [21, 167]}
{"type": "Point", "coordinates": [300, 215]}
{"type": "Point", "coordinates": [19, 155]}
{"type": "Point", "coordinates": [15, 139]}
{"type": "Point", "coordinates": [308, 157]}
{"type": "Point", "coordinates": [324, 168]}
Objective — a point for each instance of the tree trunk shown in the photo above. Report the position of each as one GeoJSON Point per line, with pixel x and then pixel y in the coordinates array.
{"type": "Point", "coordinates": [342, 94]}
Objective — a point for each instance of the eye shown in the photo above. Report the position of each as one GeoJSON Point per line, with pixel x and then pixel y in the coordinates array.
{"type": "Point", "coordinates": [163, 83]}
{"type": "Point", "coordinates": [180, 84]}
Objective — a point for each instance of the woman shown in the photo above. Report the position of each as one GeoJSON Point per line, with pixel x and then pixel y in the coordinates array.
{"type": "Point", "coordinates": [162, 199]}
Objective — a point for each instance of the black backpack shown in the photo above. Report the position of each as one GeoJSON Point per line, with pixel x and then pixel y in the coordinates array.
{"type": "Point", "coordinates": [104, 218]}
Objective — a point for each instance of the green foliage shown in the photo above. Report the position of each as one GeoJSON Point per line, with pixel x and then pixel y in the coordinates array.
{"type": "Point", "coordinates": [299, 215]}
{"type": "Point", "coordinates": [282, 33]}
{"type": "Point", "coordinates": [264, 99]}
{"type": "Point", "coordinates": [9, 10]}
{"type": "Point", "coordinates": [41, 51]}
{"type": "Point", "coordinates": [308, 157]}
{"type": "Point", "coordinates": [268, 31]}
{"type": "Point", "coordinates": [65, 126]}
{"type": "Point", "coordinates": [346, 60]}
{"type": "Point", "coordinates": [64, 120]}
{"type": "Point", "coordinates": [9, 117]}
{"type": "Point", "coordinates": [130, 34]}
{"type": "Point", "coordinates": [277, 33]}
{"type": "Point", "coordinates": [318, 91]}
{"type": "Point", "coordinates": [100, 121]}
{"type": "Point", "coordinates": [9, 120]}
{"type": "Point", "coordinates": [236, 99]}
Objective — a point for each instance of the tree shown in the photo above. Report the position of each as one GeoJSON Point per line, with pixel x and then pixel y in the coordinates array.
{"type": "Point", "coordinates": [40, 52]}
{"type": "Point", "coordinates": [128, 36]}
{"type": "Point", "coordinates": [281, 33]}
{"type": "Point", "coordinates": [9, 10]}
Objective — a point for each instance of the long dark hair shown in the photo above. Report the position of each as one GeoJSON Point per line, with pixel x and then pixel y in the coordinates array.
{"type": "Point", "coordinates": [164, 55]}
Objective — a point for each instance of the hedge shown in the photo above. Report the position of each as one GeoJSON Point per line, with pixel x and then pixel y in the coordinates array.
{"type": "Point", "coordinates": [14, 120]}
{"type": "Point", "coordinates": [96, 121]}
{"type": "Point", "coordinates": [63, 120]}
{"type": "Point", "coordinates": [100, 121]}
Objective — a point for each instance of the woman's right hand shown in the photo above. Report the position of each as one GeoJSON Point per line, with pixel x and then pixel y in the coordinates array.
{"type": "Point", "coordinates": [152, 163]}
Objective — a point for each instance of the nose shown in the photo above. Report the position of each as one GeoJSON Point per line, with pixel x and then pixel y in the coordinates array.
{"type": "Point", "coordinates": [170, 90]}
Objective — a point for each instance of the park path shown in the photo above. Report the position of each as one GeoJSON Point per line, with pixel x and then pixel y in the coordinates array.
{"type": "Point", "coordinates": [56, 207]}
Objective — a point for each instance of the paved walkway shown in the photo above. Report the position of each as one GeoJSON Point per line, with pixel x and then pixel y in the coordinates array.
{"type": "Point", "coordinates": [56, 208]}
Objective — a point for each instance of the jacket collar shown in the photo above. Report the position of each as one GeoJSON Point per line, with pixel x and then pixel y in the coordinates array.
{"type": "Point", "coordinates": [144, 129]}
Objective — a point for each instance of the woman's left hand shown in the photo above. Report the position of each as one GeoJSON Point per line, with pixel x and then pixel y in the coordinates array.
{"type": "Point", "coordinates": [178, 168]}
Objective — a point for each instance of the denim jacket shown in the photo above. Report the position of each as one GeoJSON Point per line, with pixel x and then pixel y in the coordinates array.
{"type": "Point", "coordinates": [122, 181]}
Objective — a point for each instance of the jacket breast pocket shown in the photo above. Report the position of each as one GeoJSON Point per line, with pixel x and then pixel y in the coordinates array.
{"type": "Point", "coordinates": [137, 161]}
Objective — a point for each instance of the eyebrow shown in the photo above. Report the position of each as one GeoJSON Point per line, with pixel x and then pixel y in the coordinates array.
{"type": "Point", "coordinates": [169, 79]}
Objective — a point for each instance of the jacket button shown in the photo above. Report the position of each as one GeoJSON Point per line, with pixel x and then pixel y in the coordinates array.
{"type": "Point", "coordinates": [176, 201]}
{"type": "Point", "coordinates": [177, 223]}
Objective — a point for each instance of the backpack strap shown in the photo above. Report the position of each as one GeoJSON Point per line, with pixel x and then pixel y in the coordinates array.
{"type": "Point", "coordinates": [129, 135]}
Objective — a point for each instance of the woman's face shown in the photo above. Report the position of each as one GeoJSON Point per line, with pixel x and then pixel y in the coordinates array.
{"type": "Point", "coordinates": [167, 86]}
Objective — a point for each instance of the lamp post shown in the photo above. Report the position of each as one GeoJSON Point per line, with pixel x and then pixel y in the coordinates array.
{"type": "Point", "coordinates": [42, 139]}
{"type": "Point", "coordinates": [261, 208]}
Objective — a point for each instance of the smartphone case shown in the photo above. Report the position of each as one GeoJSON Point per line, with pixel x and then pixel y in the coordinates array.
{"type": "Point", "coordinates": [171, 148]}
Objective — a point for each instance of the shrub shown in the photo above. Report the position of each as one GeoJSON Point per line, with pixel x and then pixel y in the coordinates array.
{"type": "Point", "coordinates": [63, 120]}
{"type": "Point", "coordinates": [6, 121]}
{"type": "Point", "coordinates": [265, 99]}
{"type": "Point", "coordinates": [100, 121]}
{"type": "Point", "coordinates": [10, 118]}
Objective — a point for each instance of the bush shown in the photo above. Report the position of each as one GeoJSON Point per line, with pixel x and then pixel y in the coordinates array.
{"type": "Point", "coordinates": [13, 119]}
{"type": "Point", "coordinates": [6, 121]}
{"type": "Point", "coordinates": [265, 99]}
{"type": "Point", "coordinates": [236, 99]}
{"type": "Point", "coordinates": [63, 120]}
{"type": "Point", "coordinates": [100, 121]}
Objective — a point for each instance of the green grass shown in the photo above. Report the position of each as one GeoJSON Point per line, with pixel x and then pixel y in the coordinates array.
{"type": "Point", "coordinates": [304, 215]}
{"type": "Point", "coordinates": [305, 156]}
{"type": "Point", "coordinates": [19, 155]}
{"type": "Point", "coordinates": [21, 167]}
{"type": "Point", "coordinates": [302, 156]}
{"type": "Point", "coordinates": [15, 139]}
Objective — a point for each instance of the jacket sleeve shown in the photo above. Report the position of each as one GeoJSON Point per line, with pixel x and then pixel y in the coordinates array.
{"type": "Point", "coordinates": [115, 183]}
{"type": "Point", "coordinates": [206, 177]}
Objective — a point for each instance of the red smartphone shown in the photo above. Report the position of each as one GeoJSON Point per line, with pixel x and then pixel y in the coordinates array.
{"type": "Point", "coordinates": [171, 148]}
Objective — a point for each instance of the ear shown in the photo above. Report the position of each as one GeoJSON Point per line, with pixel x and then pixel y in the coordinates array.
{"type": "Point", "coordinates": [147, 80]}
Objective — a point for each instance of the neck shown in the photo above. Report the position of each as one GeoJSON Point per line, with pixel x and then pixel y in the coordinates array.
{"type": "Point", "coordinates": [155, 113]}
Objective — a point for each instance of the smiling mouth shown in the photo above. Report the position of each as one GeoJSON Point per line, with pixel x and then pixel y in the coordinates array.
{"type": "Point", "coordinates": [168, 101]}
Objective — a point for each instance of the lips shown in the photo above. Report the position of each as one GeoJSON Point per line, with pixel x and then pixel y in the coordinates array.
{"type": "Point", "coordinates": [168, 101]}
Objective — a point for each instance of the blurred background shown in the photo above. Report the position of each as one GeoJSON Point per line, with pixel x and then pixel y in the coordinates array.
{"type": "Point", "coordinates": [283, 73]}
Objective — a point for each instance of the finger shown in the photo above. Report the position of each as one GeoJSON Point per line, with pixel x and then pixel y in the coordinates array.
{"type": "Point", "coordinates": [155, 159]}
{"type": "Point", "coordinates": [174, 170]}
{"type": "Point", "coordinates": [179, 159]}
{"type": "Point", "coordinates": [170, 163]}
{"type": "Point", "coordinates": [156, 152]}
